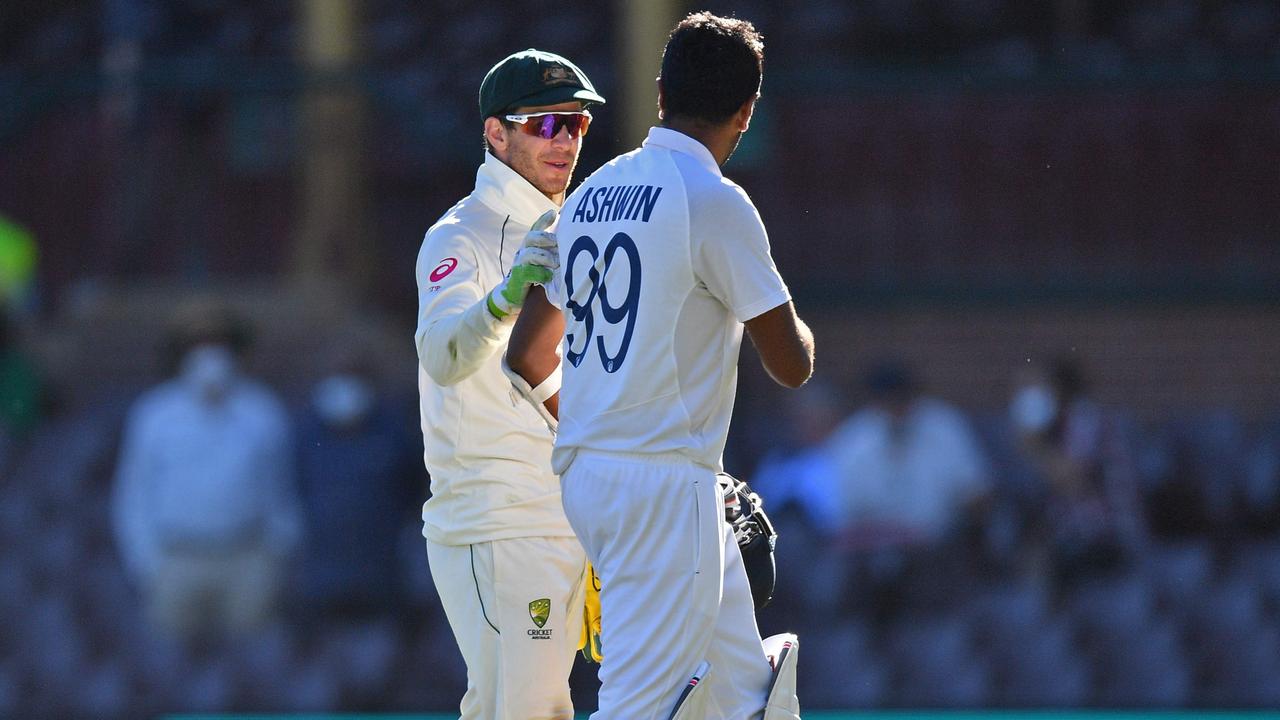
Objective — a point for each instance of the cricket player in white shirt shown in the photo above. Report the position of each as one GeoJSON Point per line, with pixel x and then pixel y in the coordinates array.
{"type": "Point", "coordinates": [506, 564]}
{"type": "Point", "coordinates": [663, 261]}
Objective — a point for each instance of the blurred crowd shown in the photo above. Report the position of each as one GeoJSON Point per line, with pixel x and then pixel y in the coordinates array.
{"type": "Point", "coordinates": [211, 543]}
{"type": "Point", "coordinates": [208, 543]}
{"type": "Point", "coordinates": [1055, 554]}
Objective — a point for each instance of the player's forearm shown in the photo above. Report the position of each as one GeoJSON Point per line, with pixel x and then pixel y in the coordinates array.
{"type": "Point", "coordinates": [535, 338]}
{"type": "Point", "coordinates": [785, 344]}
{"type": "Point", "coordinates": [804, 364]}
{"type": "Point", "coordinates": [544, 397]}
{"type": "Point", "coordinates": [455, 346]}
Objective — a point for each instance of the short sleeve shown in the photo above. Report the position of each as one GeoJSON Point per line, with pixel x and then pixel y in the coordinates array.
{"type": "Point", "coordinates": [730, 252]}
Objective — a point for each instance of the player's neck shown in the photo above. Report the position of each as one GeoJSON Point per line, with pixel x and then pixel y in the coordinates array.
{"type": "Point", "coordinates": [719, 139]}
{"type": "Point", "coordinates": [505, 159]}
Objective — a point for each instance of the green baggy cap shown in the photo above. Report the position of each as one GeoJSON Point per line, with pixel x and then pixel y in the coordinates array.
{"type": "Point", "coordinates": [532, 78]}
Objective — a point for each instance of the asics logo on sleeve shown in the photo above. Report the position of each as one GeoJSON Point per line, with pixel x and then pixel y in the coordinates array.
{"type": "Point", "coordinates": [445, 267]}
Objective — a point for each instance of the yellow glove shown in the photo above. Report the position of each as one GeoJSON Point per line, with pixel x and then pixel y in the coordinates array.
{"type": "Point", "coordinates": [590, 642]}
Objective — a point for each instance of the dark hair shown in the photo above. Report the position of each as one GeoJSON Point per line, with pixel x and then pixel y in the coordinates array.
{"type": "Point", "coordinates": [711, 66]}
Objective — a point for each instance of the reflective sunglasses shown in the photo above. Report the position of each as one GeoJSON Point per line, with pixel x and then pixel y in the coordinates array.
{"type": "Point", "coordinates": [546, 125]}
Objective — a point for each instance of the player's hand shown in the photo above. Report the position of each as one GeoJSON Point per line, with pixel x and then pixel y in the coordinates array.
{"type": "Point", "coordinates": [534, 264]}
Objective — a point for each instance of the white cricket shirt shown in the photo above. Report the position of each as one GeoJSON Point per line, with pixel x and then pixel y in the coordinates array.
{"type": "Point", "coordinates": [661, 261]}
{"type": "Point", "coordinates": [488, 451]}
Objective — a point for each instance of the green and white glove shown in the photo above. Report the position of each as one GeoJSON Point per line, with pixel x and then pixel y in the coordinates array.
{"type": "Point", "coordinates": [534, 263]}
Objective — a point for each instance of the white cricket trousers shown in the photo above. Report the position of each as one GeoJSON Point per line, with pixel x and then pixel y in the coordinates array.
{"type": "Point", "coordinates": [674, 590]}
{"type": "Point", "coordinates": [515, 607]}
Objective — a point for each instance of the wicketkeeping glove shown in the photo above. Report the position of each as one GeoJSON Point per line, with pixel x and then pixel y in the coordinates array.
{"type": "Point", "coordinates": [533, 264]}
{"type": "Point", "coordinates": [589, 644]}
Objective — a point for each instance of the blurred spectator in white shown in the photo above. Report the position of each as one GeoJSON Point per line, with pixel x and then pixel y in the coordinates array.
{"type": "Point", "coordinates": [1091, 514]}
{"type": "Point", "coordinates": [359, 479]}
{"type": "Point", "coordinates": [913, 494]}
{"type": "Point", "coordinates": [910, 466]}
{"type": "Point", "coordinates": [205, 508]}
{"type": "Point", "coordinates": [800, 472]}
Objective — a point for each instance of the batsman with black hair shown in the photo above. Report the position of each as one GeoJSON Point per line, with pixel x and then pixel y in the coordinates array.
{"type": "Point", "coordinates": [663, 263]}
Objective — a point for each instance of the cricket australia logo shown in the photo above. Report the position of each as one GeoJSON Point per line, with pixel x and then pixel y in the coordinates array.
{"type": "Point", "coordinates": [539, 611]}
{"type": "Point", "coordinates": [559, 76]}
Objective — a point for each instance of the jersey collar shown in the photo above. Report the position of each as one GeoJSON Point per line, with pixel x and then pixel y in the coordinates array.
{"type": "Point", "coordinates": [678, 141]}
{"type": "Point", "coordinates": [505, 192]}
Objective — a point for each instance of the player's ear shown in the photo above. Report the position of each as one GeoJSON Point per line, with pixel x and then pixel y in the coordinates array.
{"type": "Point", "coordinates": [743, 116]}
{"type": "Point", "coordinates": [496, 134]}
{"type": "Point", "coordinates": [662, 100]}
